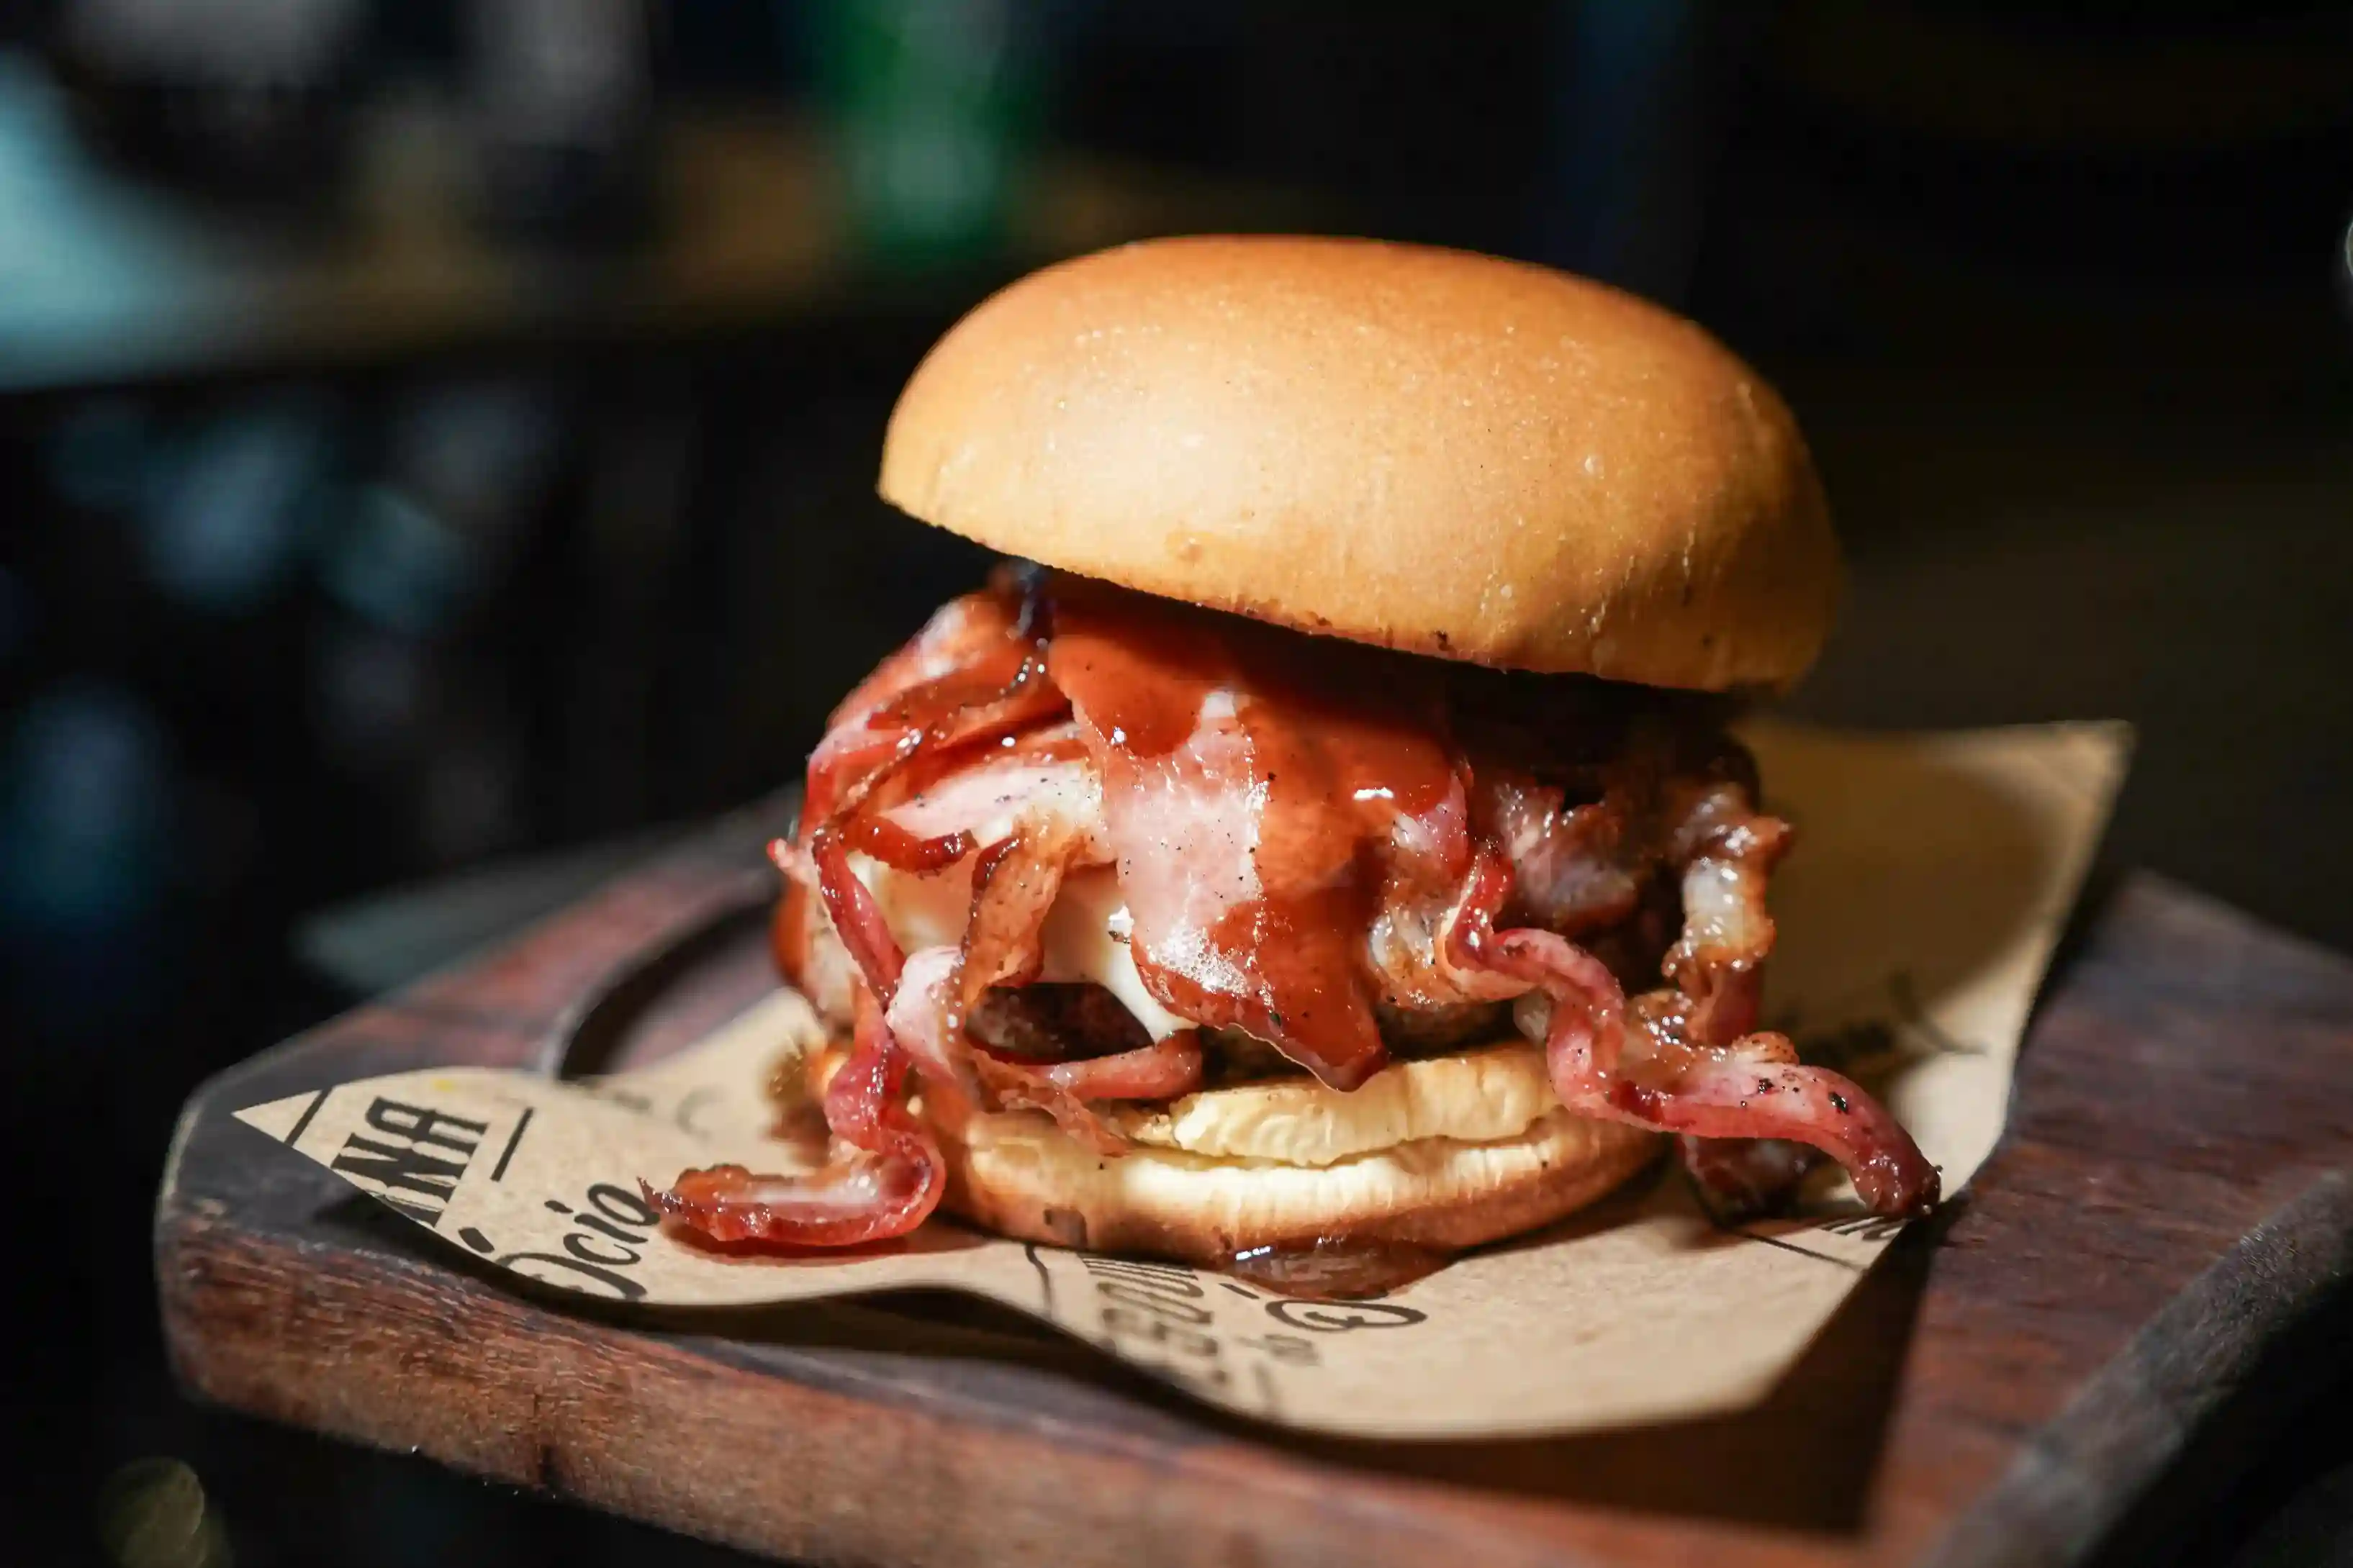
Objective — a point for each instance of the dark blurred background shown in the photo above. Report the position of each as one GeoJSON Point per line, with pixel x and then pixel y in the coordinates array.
{"type": "Point", "coordinates": [436, 444]}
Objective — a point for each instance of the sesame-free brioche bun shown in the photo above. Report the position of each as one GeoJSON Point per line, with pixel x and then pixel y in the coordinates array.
{"type": "Point", "coordinates": [1419, 448]}
{"type": "Point", "coordinates": [1017, 1174]}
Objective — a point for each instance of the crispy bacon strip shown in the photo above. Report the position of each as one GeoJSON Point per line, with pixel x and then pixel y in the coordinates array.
{"type": "Point", "coordinates": [1727, 1096]}
{"type": "Point", "coordinates": [1064, 1091]}
{"type": "Point", "coordinates": [923, 1021]}
{"type": "Point", "coordinates": [1027, 699]}
{"type": "Point", "coordinates": [1693, 1052]}
{"type": "Point", "coordinates": [1652, 1077]}
{"type": "Point", "coordinates": [883, 1178]}
{"type": "Point", "coordinates": [975, 673]}
{"type": "Point", "coordinates": [1161, 1071]}
{"type": "Point", "coordinates": [1015, 1085]}
{"type": "Point", "coordinates": [1303, 849]}
{"type": "Point", "coordinates": [958, 1074]}
{"type": "Point", "coordinates": [978, 653]}
{"type": "Point", "coordinates": [853, 1199]}
{"type": "Point", "coordinates": [1014, 885]}
{"type": "Point", "coordinates": [856, 916]}
{"type": "Point", "coordinates": [1725, 852]}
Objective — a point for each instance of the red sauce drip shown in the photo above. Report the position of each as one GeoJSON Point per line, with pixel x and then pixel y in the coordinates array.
{"type": "Point", "coordinates": [1337, 1268]}
{"type": "Point", "coordinates": [1283, 815]}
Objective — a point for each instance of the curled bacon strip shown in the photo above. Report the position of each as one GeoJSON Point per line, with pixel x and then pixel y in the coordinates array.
{"type": "Point", "coordinates": [1740, 1100]}
{"type": "Point", "coordinates": [1652, 1077]}
{"type": "Point", "coordinates": [1063, 1090]}
{"type": "Point", "coordinates": [855, 914]}
{"type": "Point", "coordinates": [1014, 883]}
{"type": "Point", "coordinates": [1161, 1071]}
{"type": "Point", "coordinates": [1026, 699]}
{"type": "Point", "coordinates": [851, 1200]}
{"type": "Point", "coordinates": [975, 672]}
{"type": "Point", "coordinates": [974, 653]}
{"type": "Point", "coordinates": [1306, 853]}
{"type": "Point", "coordinates": [1727, 1095]}
{"type": "Point", "coordinates": [883, 1178]}
{"type": "Point", "coordinates": [922, 1021]}
{"type": "Point", "coordinates": [1726, 852]}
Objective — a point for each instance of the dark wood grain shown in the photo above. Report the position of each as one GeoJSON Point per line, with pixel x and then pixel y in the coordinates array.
{"type": "Point", "coordinates": [2155, 1261]}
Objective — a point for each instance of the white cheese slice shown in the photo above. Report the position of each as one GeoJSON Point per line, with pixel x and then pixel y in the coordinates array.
{"type": "Point", "coordinates": [1085, 936]}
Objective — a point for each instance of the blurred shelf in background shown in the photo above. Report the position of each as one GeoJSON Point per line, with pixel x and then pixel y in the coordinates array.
{"type": "Point", "coordinates": [108, 280]}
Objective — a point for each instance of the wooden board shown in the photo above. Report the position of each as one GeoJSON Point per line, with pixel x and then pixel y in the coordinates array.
{"type": "Point", "coordinates": [2155, 1264]}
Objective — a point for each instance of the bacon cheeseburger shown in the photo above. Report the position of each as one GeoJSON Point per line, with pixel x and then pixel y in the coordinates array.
{"type": "Point", "coordinates": [1332, 844]}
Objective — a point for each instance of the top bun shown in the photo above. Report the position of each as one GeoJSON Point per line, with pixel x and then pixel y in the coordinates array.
{"type": "Point", "coordinates": [1419, 448]}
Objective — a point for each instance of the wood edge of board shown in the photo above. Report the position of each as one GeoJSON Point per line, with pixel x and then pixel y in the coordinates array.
{"type": "Point", "coordinates": [234, 1304]}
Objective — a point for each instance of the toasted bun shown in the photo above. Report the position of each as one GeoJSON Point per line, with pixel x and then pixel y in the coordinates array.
{"type": "Point", "coordinates": [1019, 1175]}
{"type": "Point", "coordinates": [1421, 449]}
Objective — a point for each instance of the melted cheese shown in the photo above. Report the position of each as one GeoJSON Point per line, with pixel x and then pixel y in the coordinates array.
{"type": "Point", "coordinates": [922, 911]}
{"type": "Point", "coordinates": [1084, 937]}
{"type": "Point", "coordinates": [1473, 1097]}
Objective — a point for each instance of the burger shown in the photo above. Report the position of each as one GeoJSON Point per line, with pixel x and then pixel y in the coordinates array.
{"type": "Point", "coordinates": [1321, 848]}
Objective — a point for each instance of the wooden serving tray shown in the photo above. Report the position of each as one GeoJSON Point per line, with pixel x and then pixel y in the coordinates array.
{"type": "Point", "coordinates": [2153, 1265]}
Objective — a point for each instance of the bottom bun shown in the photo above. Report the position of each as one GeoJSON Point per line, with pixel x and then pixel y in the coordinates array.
{"type": "Point", "coordinates": [1019, 1175]}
